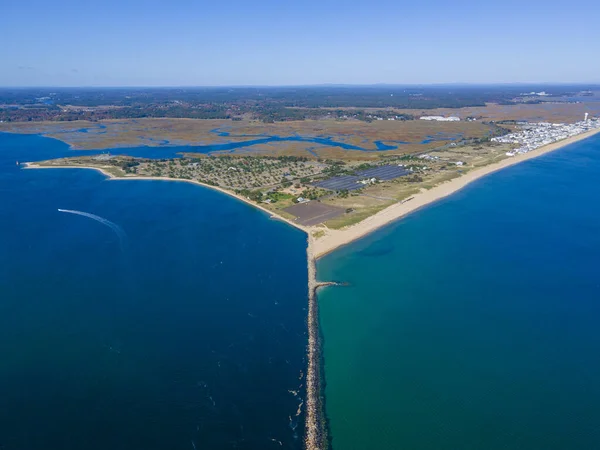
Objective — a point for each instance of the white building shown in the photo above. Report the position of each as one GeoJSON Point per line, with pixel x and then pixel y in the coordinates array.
{"type": "Point", "coordinates": [441, 118]}
{"type": "Point", "coordinates": [536, 135]}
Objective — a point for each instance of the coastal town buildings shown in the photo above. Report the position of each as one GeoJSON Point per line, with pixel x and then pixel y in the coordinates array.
{"type": "Point", "coordinates": [441, 118]}
{"type": "Point", "coordinates": [536, 135]}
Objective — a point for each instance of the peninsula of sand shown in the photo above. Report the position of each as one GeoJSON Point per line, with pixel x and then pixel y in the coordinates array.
{"type": "Point", "coordinates": [325, 239]}
{"type": "Point", "coordinates": [329, 240]}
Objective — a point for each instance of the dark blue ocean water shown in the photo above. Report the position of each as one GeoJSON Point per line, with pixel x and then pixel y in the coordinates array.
{"type": "Point", "coordinates": [181, 327]}
{"type": "Point", "coordinates": [474, 323]}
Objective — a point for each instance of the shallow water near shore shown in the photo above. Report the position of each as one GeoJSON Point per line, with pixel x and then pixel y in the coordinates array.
{"type": "Point", "coordinates": [473, 323]}
{"type": "Point", "coordinates": [181, 327]}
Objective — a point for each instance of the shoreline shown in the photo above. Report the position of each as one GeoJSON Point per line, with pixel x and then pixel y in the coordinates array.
{"type": "Point", "coordinates": [334, 239]}
{"type": "Point", "coordinates": [315, 436]}
{"type": "Point", "coordinates": [110, 176]}
{"type": "Point", "coordinates": [315, 427]}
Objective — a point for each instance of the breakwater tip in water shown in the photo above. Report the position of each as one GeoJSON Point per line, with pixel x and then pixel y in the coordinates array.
{"type": "Point", "coordinates": [321, 284]}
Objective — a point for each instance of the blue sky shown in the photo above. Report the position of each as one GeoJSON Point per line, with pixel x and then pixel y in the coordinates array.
{"type": "Point", "coordinates": [278, 42]}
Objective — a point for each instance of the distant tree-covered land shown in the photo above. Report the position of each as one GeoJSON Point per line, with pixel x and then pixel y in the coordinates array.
{"type": "Point", "coordinates": [269, 104]}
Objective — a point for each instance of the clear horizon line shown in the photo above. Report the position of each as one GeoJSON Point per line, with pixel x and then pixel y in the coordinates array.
{"type": "Point", "coordinates": [315, 85]}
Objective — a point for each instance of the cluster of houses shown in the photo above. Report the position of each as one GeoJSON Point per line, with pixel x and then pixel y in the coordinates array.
{"type": "Point", "coordinates": [537, 94]}
{"type": "Point", "coordinates": [436, 158]}
{"type": "Point", "coordinates": [441, 118]}
{"type": "Point", "coordinates": [382, 118]}
{"type": "Point", "coordinates": [537, 135]}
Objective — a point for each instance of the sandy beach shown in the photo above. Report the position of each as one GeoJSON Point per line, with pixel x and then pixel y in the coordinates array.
{"type": "Point", "coordinates": [216, 188]}
{"type": "Point", "coordinates": [315, 437]}
{"type": "Point", "coordinates": [334, 239]}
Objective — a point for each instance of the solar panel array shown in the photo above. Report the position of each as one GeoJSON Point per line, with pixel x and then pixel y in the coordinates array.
{"type": "Point", "coordinates": [351, 182]}
{"type": "Point", "coordinates": [384, 172]}
{"type": "Point", "coordinates": [345, 182]}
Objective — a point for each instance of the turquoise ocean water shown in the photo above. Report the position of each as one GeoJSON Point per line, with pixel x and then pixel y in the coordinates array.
{"type": "Point", "coordinates": [473, 323]}
{"type": "Point", "coordinates": [176, 319]}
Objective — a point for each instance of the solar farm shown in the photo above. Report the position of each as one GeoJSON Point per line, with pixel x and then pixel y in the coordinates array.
{"type": "Point", "coordinates": [352, 182]}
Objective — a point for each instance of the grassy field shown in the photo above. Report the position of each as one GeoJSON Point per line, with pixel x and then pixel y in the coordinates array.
{"type": "Point", "coordinates": [433, 152]}
{"type": "Point", "coordinates": [439, 167]}
{"type": "Point", "coordinates": [556, 112]}
{"type": "Point", "coordinates": [125, 133]}
{"type": "Point", "coordinates": [160, 132]}
{"type": "Point", "coordinates": [429, 153]}
{"type": "Point", "coordinates": [277, 182]}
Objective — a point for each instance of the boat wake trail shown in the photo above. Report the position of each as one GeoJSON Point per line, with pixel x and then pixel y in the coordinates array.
{"type": "Point", "coordinates": [113, 226]}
